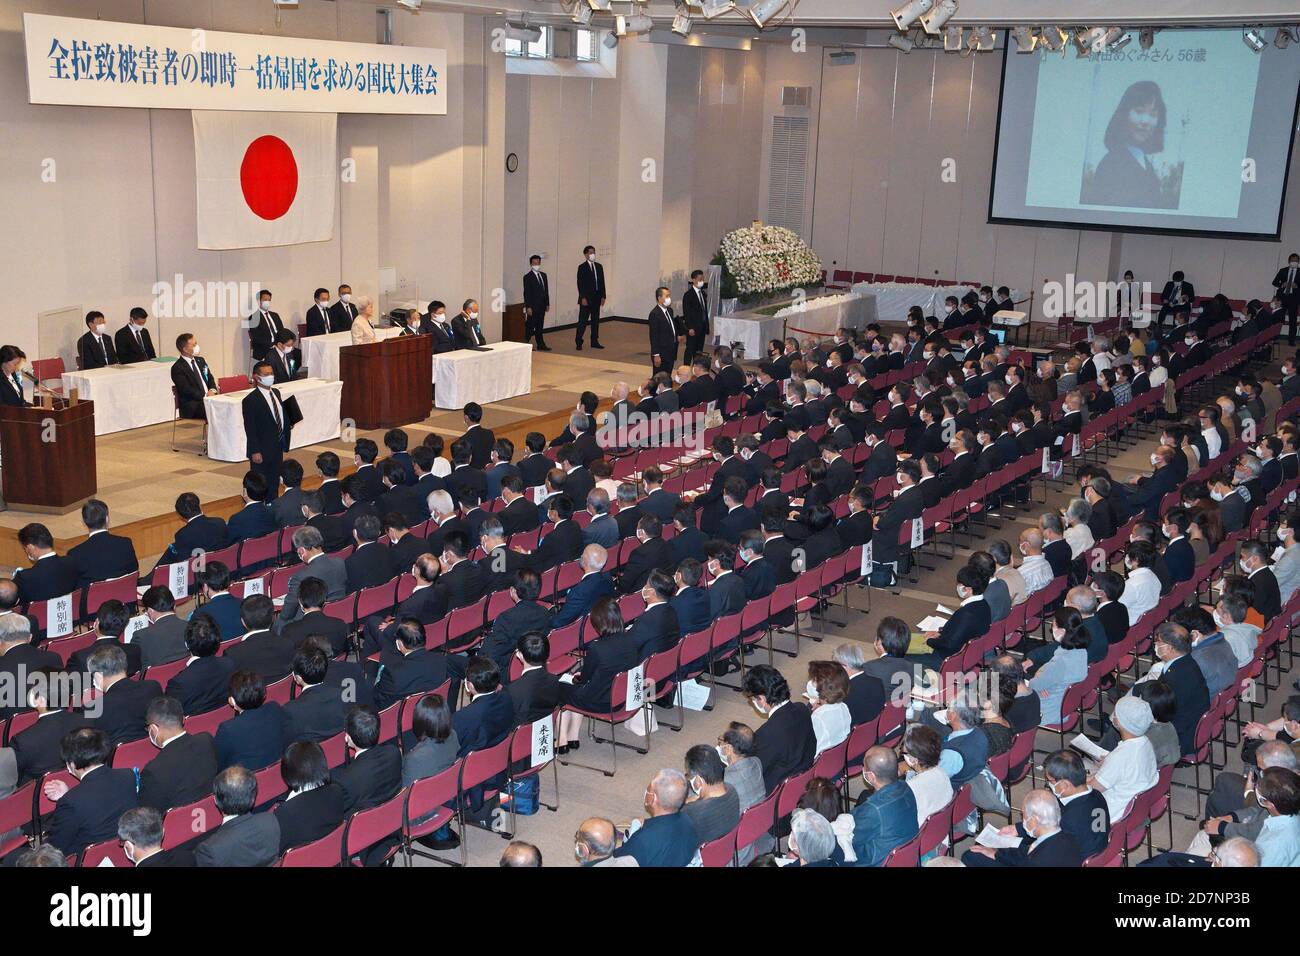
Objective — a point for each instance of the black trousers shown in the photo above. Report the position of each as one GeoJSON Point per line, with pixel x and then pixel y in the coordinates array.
{"type": "Point", "coordinates": [667, 362]}
{"type": "Point", "coordinates": [694, 345]}
{"type": "Point", "coordinates": [589, 315]}
{"type": "Point", "coordinates": [270, 470]}
{"type": "Point", "coordinates": [1291, 305]}
{"type": "Point", "coordinates": [533, 327]}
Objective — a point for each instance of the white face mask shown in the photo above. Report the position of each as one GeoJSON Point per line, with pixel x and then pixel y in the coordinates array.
{"type": "Point", "coordinates": [668, 300]}
{"type": "Point", "coordinates": [346, 297]}
{"type": "Point", "coordinates": [1155, 460]}
{"type": "Point", "coordinates": [1010, 381]}
{"type": "Point", "coordinates": [100, 326]}
{"type": "Point", "coordinates": [537, 268]}
{"type": "Point", "coordinates": [322, 302]}
{"type": "Point", "coordinates": [591, 257]}
{"type": "Point", "coordinates": [195, 350]}
{"type": "Point", "coordinates": [266, 303]}
{"type": "Point", "coordinates": [473, 315]}
{"type": "Point", "coordinates": [1218, 621]}
{"type": "Point", "coordinates": [1188, 340]}
{"type": "Point", "coordinates": [699, 285]}
{"type": "Point", "coordinates": [722, 756]}
{"type": "Point", "coordinates": [266, 381]}
{"type": "Point", "coordinates": [1216, 494]}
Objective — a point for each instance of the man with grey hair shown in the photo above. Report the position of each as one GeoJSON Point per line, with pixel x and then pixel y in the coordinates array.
{"type": "Point", "coordinates": [140, 831]}
{"type": "Point", "coordinates": [965, 751]}
{"type": "Point", "coordinates": [602, 529]}
{"type": "Point", "coordinates": [1084, 600]}
{"type": "Point", "coordinates": [1046, 844]}
{"type": "Point", "coordinates": [595, 842]}
{"type": "Point", "coordinates": [812, 841]}
{"type": "Point", "coordinates": [1232, 809]}
{"type": "Point", "coordinates": [629, 512]}
{"type": "Point", "coordinates": [866, 693]}
{"type": "Point", "coordinates": [665, 837]}
{"type": "Point", "coordinates": [591, 587]}
{"type": "Point", "coordinates": [20, 657]}
{"type": "Point", "coordinates": [1235, 852]}
{"type": "Point", "coordinates": [308, 545]}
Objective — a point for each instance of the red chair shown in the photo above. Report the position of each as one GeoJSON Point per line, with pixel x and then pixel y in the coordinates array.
{"type": "Point", "coordinates": [209, 722]}
{"type": "Point", "coordinates": [756, 821]}
{"type": "Point", "coordinates": [465, 621]}
{"type": "Point", "coordinates": [16, 813]}
{"type": "Point", "coordinates": [133, 754]}
{"type": "Point", "coordinates": [521, 759]}
{"type": "Point", "coordinates": [617, 713]}
{"type": "Point", "coordinates": [336, 750]}
{"type": "Point", "coordinates": [327, 851]}
{"type": "Point", "coordinates": [182, 824]}
{"type": "Point", "coordinates": [232, 383]}
{"type": "Point", "coordinates": [281, 691]}
{"type": "Point", "coordinates": [270, 784]}
{"type": "Point", "coordinates": [431, 798]}
{"type": "Point", "coordinates": [67, 646]}
{"type": "Point", "coordinates": [722, 851]}
{"type": "Point", "coordinates": [476, 770]}
{"type": "Point", "coordinates": [119, 589]}
{"type": "Point", "coordinates": [162, 673]}
{"type": "Point", "coordinates": [905, 854]}
{"type": "Point", "coordinates": [110, 850]}
{"type": "Point", "coordinates": [790, 792]}
{"type": "Point", "coordinates": [49, 369]}
{"type": "Point", "coordinates": [365, 828]}
{"type": "Point", "coordinates": [344, 609]}
{"type": "Point", "coordinates": [255, 552]}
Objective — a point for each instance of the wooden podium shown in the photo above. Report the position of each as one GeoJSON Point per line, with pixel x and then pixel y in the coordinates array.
{"type": "Point", "coordinates": [47, 456]}
{"type": "Point", "coordinates": [387, 383]}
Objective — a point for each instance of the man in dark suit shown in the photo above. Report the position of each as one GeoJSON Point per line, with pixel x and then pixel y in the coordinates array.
{"type": "Point", "coordinates": [343, 311]}
{"type": "Point", "coordinates": [254, 737]}
{"type": "Point", "coordinates": [244, 838]}
{"type": "Point", "coordinates": [408, 668]}
{"type": "Point", "coordinates": [1173, 647]}
{"type": "Point", "coordinates": [663, 334]}
{"type": "Point", "coordinates": [399, 498]}
{"type": "Point", "coordinates": [312, 596]}
{"type": "Point", "coordinates": [652, 554]}
{"type": "Point", "coordinates": [480, 440]}
{"type": "Point", "coordinates": [536, 692]}
{"type": "Point", "coordinates": [110, 624]}
{"type": "Point", "coordinates": [318, 316]}
{"type": "Point", "coordinates": [519, 514]}
{"type": "Point", "coordinates": [534, 465]}
{"type": "Point", "coordinates": [51, 575]}
{"type": "Point", "coordinates": [375, 772]}
{"type": "Point", "coordinates": [87, 813]}
{"type": "Point", "coordinates": [594, 585]}
{"type": "Point", "coordinates": [1149, 492]}
{"type": "Point", "coordinates": [318, 712]}
{"type": "Point", "coordinates": [439, 328]}
{"type": "Point", "coordinates": [656, 628]}
{"type": "Point", "coordinates": [1176, 299]}
{"type": "Point", "coordinates": [1287, 283]}
{"type": "Point", "coordinates": [564, 541]}
{"type": "Point", "coordinates": [191, 378]}
{"type": "Point", "coordinates": [969, 622]}
{"type": "Point", "coordinates": [370, 563]}
{"type": "Point", "coordinates": [20, 657]}
{"type": "Point", "coordinates": [785, 744]}
{"type": "Point", "coordinates": [662, 504]}
{"type": "Point", "coordinates": [284, 357]}
{"type": "Point", "coordinates": [140, 833]}
{"type": "Point", "coordinates": [757, 574]}
{"type": "Point", "coordinates": [465, 329]}
{"type": "Point", "coordinates": [267, 427]}
{"type": "Point", "coordinates": [255, 519]}
{"type": "Point", "coordinates": [489, 716]}
{"type": "Point", "coordinates": [537, 302]}
{"type": "Point", "coordinates": [690, 602]}
{"type": "Point", "coordinates": [263, 327]}
{"type": "Point", "coordinates": [525, 616]}
{"type": "Point", "coordinates": [591, 297]}
{"type": "Point", "coordinates": [204, 684]}
{"type": "Point", "coordinates": [123, 702]}
{"type": "Point", "coordinates": [132, 340]}
{"type": "Point", "coordinates": [900, 512]}
{"type": "Point", "coordinates": [695, 315]}
{"type": "Point", "coordinates": [102, 556]}
{"type": "Point", "coordinates": [95, 348]}
{"type": "Point", "coordinates": [261, 650]}
{"type": "Point", "coordinates": [38, 749]}
{"type": "Point", "coordinates": [467, 484]}
{"type": "Point", "coordinates": [182, 771]}
{"type": "Point", "coordinates": [1045, 842]}
{"type": "Point", "coordinates": [1266, 596]}
{"type": "Point", "coordinates": [198, 535]}
{"type": "Point", "coordinates": [867, 695]}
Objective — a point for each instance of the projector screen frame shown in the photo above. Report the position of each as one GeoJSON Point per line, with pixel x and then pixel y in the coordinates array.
{"type": "Point", "coordinates": [1276, 236]}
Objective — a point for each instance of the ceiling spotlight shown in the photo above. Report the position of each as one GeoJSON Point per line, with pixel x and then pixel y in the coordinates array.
{"type": "Point", "coordinates": [602, 5]}
{"type": "Point", "coordinates": [411, 5]}
{"type": "Point", "coordinates": [1253, 38]}
{"type": "Point", "coordinates": [1109, 38]}
{"type": "Point", "coordinates": [843, 58]}
{"type": "Point", "coordinates": [1052, 38]}
{"type": "Point", "coordinates": [910, 12]}
{"type": "Point", "coordinates": [523, 32]}
{"type": "Point", "coordinates": [942, 12]}
{"type": "Point", "coordinates": [1024, 37]}
{"type": "Point", "coordinates": [1282, 39]}
{"type": "Point", "coordinates": [1147, 37]}
{"type": "Point", "coordinates": [581, 14]}
{"type": "Point", "coordinates": [1082, 42]}
{"type": "Point", "coordinates": [632, 23]}
{"type": "Point", "coordinates": [681, 24]}
{"type": "Point", "coordinates": [1122, 42]}
{"type": "Point", "coordinates": [981, 38]}
{"type": "Point", "coordinates": [901, 42]}
{"type": "Point", "coordinates": [764, 10]}
{"type": "Point", "coordinates": [952, 39]}
{"type": "Point", "coordinates": [610, 41]}
{"type": "Point", "coordinates": [715, 8]}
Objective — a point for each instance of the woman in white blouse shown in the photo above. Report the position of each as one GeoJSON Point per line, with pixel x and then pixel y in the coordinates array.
{"type": "Point", "coordinates": [363, 326]}
{"type": "Point", "coordinates": [931, 787]}
{"type": "Point", "coordinates": [827, 688]}
{"type": "Point", "coordinates": [1159, 373]}
{"type": "Point", "coordinates": [1077, 533]}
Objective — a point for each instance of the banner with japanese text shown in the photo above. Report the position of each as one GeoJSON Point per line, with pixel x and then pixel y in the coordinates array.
{"type": "Point", "coordinates": [76, 62]}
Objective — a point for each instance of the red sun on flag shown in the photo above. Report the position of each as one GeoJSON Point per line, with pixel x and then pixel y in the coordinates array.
{"type": "Point", "coordinates": [268, 177]}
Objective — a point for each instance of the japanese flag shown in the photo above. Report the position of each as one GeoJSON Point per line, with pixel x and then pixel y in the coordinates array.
{"type": "Point", "coordinates": [264, 179]}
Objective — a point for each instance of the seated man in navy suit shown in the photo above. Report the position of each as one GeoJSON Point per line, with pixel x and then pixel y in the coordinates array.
{"type": "Point", "coordinates": [255, 518]}
{"type": "Point", "coordinates": [198, 535]}
{"type": "Point", "coordinates": [1180, 560]}
{"type": "Point", "coordinates": [102, 556]}
{"type": "Point", "coordinates": [594, 585]}
{"type": "Point", "coordinates": [51, 575]}
{"type": "Point", "coordinates": [970, 621]}
{"type": "Point", "coordinates": [691, 602]}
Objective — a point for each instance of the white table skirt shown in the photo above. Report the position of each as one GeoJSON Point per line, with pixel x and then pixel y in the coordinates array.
{"type": "Point", "coordinates": [893, 299]}
{"type": "Point", "coordinates": [318, 401]}
{"type": "Point", "coordinates": [465, 376]}
{"type": "Point", "coordinates": [126, 396]}
{"type": "Point", "coordinates": [320, 353]}
{"type": "Point", "coordinates": [753, 330]}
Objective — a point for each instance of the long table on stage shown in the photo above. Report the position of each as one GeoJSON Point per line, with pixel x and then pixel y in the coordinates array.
{"type": "Point", "coordinates": [320, 353]}
{"type": "Point", "coordinates": [503, 370]}
{"type": "Point", "coordinates": [317, 400]}
{"type": "Point", "coordinates": [126, 396]}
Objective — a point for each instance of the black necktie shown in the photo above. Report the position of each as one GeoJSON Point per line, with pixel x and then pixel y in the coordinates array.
{"type": "Point", "coordinates": [275, 411]}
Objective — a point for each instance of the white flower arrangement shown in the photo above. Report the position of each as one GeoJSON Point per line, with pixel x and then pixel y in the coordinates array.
{"type": "Point", "coordinates": [815, 302]}
{"type": "Point", "coordinates": [766, 259]}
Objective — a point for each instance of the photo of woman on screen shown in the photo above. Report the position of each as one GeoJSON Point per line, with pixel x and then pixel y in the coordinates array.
{"type": "Point", "coordinates": [1126, 175]}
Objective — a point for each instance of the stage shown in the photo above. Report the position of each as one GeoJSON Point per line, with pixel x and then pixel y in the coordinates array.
{"type": "Point", "coordinates": [139, 475]}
